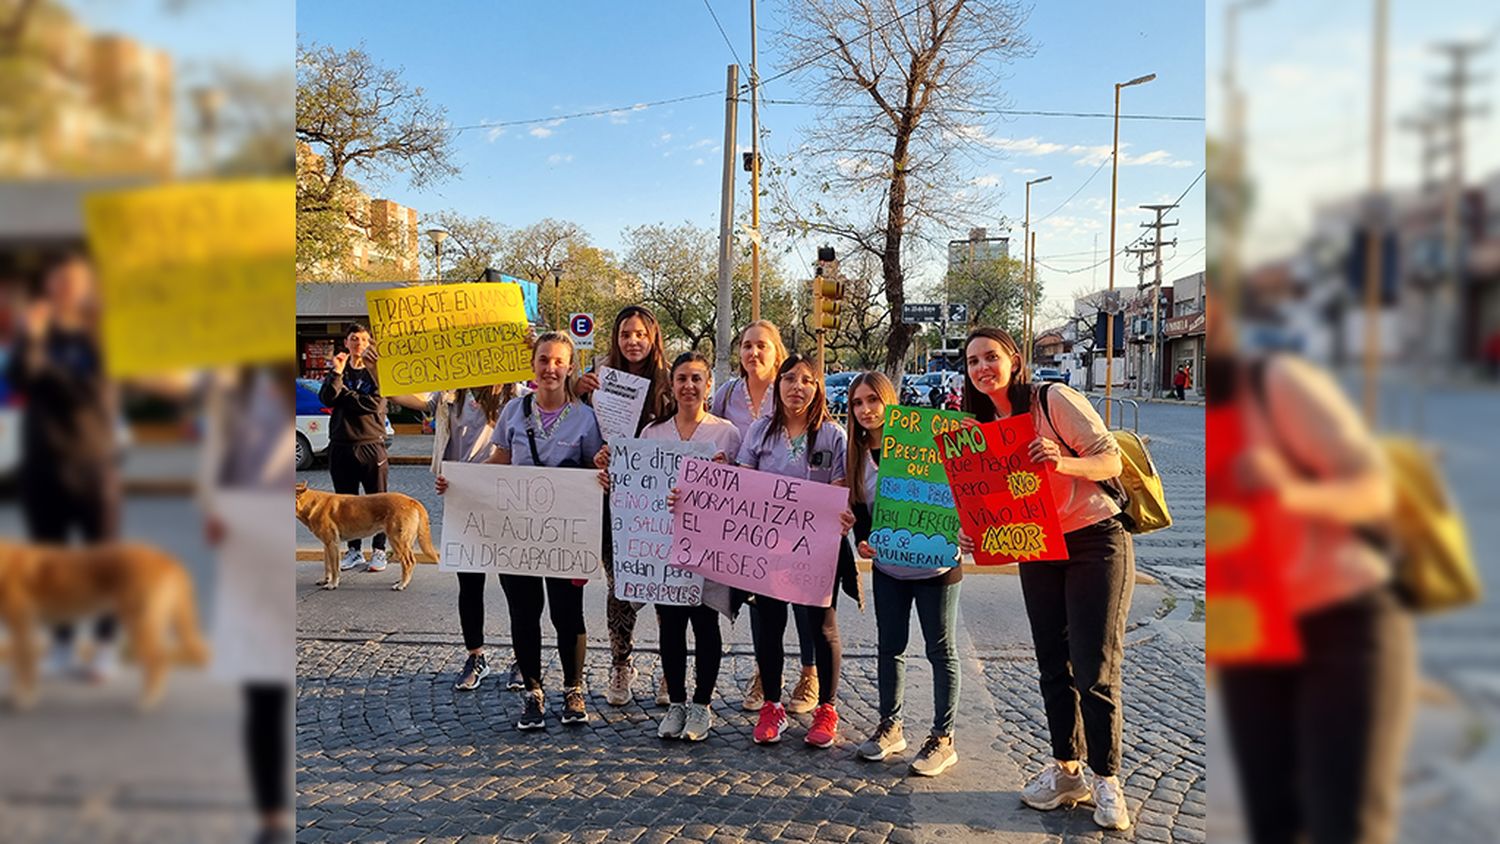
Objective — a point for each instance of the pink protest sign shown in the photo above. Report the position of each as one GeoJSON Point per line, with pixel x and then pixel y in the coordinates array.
{"type": "Point", "coordinates": [763, 533]}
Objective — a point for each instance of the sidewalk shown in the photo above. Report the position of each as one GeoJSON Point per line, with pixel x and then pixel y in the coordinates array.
{"type": "Point", "coordinates": [387, 747]}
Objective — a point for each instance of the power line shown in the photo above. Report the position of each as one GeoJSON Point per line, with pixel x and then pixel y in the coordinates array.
{"type": "Point", "coordinates": [1140, 237]}
{"type": "Point", "coordinates": [1107, 115]}
{"type": "Point", "coordinates": [727, 42]}
{"type": "Point", "coordinates": [813, 59]}
{"type": "Point", "coordinates": [1075, 193]}
{"type": "Point", "coordinates": [558, 118]}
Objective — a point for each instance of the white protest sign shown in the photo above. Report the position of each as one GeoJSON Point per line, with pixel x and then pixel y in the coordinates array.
{"type": "Point", "coordinates": [641, 473]}
{"type": "Point", "coordinates": [618, 402]}
{"type": "Point", "coordinates": [255, 616]}
{"type": "Point", "coordinates": [529, 520]}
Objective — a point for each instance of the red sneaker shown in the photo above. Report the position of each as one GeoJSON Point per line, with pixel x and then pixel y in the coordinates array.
{"type": "Point", "coordinates": [771, 725]}
{"type": "Point", "coordinates": [825, 726]}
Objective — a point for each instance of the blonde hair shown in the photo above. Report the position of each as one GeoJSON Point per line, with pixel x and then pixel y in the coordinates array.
{"type": "Point", "coordinates": [564, 339]}
{"type": "Point", "coordinates": [776, 343]}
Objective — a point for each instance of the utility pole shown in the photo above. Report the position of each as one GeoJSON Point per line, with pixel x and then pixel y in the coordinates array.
{"type": "Point", "coordinates": [1030, 297]}
{"type": "Point", "coordinates": [1028, 265]}
{"type": "Point", "coordinates": [723, 332]}
{"type": "Point", "coordinates": [1114, 201]}
{"type": "Point", "coordinates": [1156, 244]}
{"type": "Point", "coordinates": [1139, 253]}
{"type": "Point", "coordinates": [1453, 116]}
{"type": "Point", "coordinates": [1376, 213]}
{"type": "Point", "coordinates": [754, 174]}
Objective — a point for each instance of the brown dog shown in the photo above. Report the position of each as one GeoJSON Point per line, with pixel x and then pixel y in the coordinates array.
{"type": "Point", "coordinates": [336, 519]}
{"type": "Point", "coordinates": [148, 590]}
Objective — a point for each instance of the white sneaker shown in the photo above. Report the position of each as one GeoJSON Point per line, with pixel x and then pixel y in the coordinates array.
{"type": "Point", "coordinates": [1054, 786]}
{"type": "Point", "coordinates": [105, 664]}
{"type": "Point", "coordinates": [699, 721]}
{"type": "Point", "coordinates": [675, 720]}
{"type": "Point", "coordinates": [352, 560]}
{"type": "Point", "coordinates": [59, 661]}
{"type": "Point", "coordinates": [377, 560]}
{"type": "Point", "coordinates": [1110, 811]}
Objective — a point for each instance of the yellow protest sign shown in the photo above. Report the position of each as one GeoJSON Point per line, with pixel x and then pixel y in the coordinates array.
{"type": "Point", "coordinates": [446, 336]}
{"type": "Point", "coordinates": [194, 274]}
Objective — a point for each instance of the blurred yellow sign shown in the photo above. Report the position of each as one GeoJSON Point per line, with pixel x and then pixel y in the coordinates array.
{"type": "Point", "coordinates": [446, 336]}
{"type": "Point", "coordinates": [195, 274]}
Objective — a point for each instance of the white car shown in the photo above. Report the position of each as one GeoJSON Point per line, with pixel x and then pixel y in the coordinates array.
{"type": "Point", "coordinates": [312, 424]}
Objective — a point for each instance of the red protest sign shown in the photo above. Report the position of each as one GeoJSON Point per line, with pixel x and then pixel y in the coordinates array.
{"type": "Point", "coordinates": [1004, 498]}
{"type": "Point", "coordinates": [1251, 545]}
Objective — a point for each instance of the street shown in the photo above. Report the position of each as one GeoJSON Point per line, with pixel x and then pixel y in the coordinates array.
{"type": "Point", "coordinates": [385, 744]}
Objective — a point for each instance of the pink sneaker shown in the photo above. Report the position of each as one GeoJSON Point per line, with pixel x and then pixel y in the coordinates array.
{"type": "Point", "coordinates": [771, 725]}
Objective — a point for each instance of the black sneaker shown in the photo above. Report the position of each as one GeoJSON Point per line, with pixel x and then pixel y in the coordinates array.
{"type": "Point", "coordinates": [532, 717]}
{"type": "Point", "coordinates": [476, 668]}
{"type": "Point", "coordinates": [517, 680]}
{"type": "Point", "coordinates": [574, 711]}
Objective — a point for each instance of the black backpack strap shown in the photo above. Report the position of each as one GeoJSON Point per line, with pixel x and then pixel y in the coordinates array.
{"type": "Point", "coordinates": [536, 458]}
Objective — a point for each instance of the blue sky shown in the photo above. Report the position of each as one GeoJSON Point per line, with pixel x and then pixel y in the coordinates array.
{"type": "Point", "coordinates": [1306, 70]}
{"type": "Point", "coordinates": [501, 62]}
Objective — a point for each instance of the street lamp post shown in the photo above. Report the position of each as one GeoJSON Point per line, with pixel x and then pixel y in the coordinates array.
{"type": "Point", "coordinates": [1114, 198]}
{"type": "Point", "coordinates": [437, 236]}
{"type": "Point", "coordinates": [1028, 273]}
{"type": "Point", "coordinates": [557, 273]}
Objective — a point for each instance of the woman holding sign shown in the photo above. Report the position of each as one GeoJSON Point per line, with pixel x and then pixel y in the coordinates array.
{"type": "Point", "coordinates": [636, 348]}
{"type": "Point", "coordinates": [799, 440]}
{"type": "Point", "coordinates": [549, 427]}
{"type": "Point", "coordinates": [934, 591]}
{"type": "Point", "coordinates": [688, 420]}
{"type": "Point", "coordinates": [742, 400]}
{"type": "Point", "coordinates": [472, 416]}
{"type": "Point", "coordinates": [1077, 607]}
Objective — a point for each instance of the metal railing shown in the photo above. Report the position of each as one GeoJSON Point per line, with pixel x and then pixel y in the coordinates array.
{"type": "Point", "coordinates": [1117, 419]}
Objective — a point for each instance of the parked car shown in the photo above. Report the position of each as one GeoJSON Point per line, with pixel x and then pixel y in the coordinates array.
{"type": "Point", "coordinates": [907, 390]}
{"type": "Point", "coordinates": [1046, 376]}
{"type": "Point", "coordinates": [312, 424]}
{"type": "Point", "coordinates": [836, 386]}
{"type": "Point", "coordinates": [929, 390]}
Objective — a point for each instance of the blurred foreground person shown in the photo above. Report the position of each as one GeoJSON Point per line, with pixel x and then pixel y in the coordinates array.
{"type": "Point", "coordinates": [248, 451]}
{"type": "Point", "coordinates": [69, 473]}
{"type": "Point", "coordinates": [1318, 740]}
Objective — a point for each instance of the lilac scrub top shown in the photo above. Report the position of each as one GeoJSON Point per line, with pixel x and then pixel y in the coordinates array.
{"type": "Point", "coordinates": [573, 438]}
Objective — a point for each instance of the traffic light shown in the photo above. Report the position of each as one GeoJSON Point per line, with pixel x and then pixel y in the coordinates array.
{"type": "Point", "coordinates": [828, 291]}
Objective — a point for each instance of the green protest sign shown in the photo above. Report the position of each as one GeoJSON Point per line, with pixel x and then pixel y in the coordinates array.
{"type": "Point", "coordinates": [914, 521]}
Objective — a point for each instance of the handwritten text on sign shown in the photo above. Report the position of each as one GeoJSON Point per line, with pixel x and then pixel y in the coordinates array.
{"type": "Point", "coordinates": [529, 520]}
{"type": "Point", "coordinates": [194, 274]}
{"type": "Point", "coordinates": [641, 472]}
{"type": "Point", "coordinates": [764, 533]}
{"type": "Point", "coordinates": [446, 336]}
{"type": "Point", "coordinates": [1004, 498]}
{"type": "Point", "coordinates": [914, 523]}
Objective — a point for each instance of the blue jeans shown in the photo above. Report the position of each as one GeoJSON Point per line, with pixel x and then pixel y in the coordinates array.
{"type": "Point", "coordinates": [937, 612]}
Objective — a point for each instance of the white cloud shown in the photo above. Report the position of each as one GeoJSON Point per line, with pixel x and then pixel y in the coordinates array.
{"type": "Point", "coordinates": [1025, 171]}
{"type": "Point", "coordinates": [700, 144]}
{"type": "Point", "coordinates": [1086, 155]}
{"type": "Point", "coordinates": [986, 181]}
{"type": "Point", "coordinates": [540, 132]}
{"type": "Point", "coordinates": [495, 133]}
{"type": "Point", "coordinates": [557, 158]}
{"type": "Point", "coordinates": [697, 162]}
{"type": "Point", "coordinates": [666, 136]}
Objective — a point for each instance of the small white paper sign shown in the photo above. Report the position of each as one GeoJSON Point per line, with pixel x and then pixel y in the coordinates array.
{"type": "Point", "coordinates": [618, 402]}
{"type": "Point", "coordinates": [530, 520]}
{"type": "Point", "coordinates": [255, 594]}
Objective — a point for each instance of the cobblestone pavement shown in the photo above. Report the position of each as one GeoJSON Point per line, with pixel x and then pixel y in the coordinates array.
{"type": "Point", "coordinates": [387, 749]}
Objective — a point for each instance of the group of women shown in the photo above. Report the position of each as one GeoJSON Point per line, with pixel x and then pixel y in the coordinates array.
{"type": "Point", "coordinates": [773, 417]}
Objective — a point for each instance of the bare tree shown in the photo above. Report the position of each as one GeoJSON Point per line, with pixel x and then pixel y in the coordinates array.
{"type": "Point", "coordinates": [356, 117]}
{"type": "Point", "coordinates": [471, 246]}
{"type": "Point", "coordinates": [899, 83]}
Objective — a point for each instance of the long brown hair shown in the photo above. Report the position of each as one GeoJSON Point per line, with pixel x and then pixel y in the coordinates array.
{"type": "Point", "coordinates": [653, 367]}
{"type": "Point", "coordinates": [1019, 390]}
{"type": "Point", "coordinates": [817, 408]}
{"type": "Point", "coordinates": [691, 356]}
{"type": "Point", "coordinates": [492, 399]}
{"type": "Point", "coordinates": [861, 439]}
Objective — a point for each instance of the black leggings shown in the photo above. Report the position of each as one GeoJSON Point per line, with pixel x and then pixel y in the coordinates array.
{"type": "Point", "coordinates": [354, 466]}
{"type": "Point", "coordinates": [52, 510]}
{"type": "Point", "coordinates": [267, 743]}
{"type": "Point", "coordinates": [526, 598]}
{"type": "Point", "coordinates": [708, 650]}
{"type": "Point", "coordinates": [770, 655]}
{"type": "Point", "coordinates": [471, 608]}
